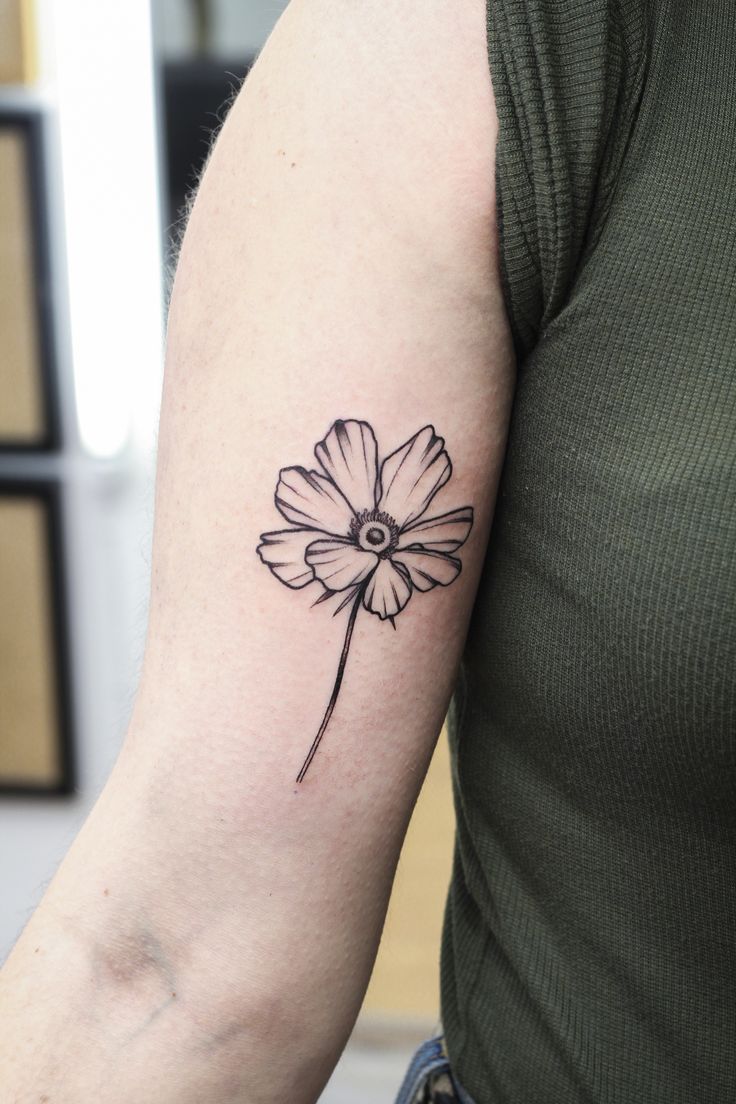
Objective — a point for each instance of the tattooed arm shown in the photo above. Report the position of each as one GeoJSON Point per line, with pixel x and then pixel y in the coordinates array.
{"type": "Point", "coordinates": [211, 933]}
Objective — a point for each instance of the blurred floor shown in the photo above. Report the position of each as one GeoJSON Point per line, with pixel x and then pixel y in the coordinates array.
{"type": "Point", "coordinates": [368, 1074]}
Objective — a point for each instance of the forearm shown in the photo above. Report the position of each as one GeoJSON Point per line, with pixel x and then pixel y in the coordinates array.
{"type": "Point", "coordinates": [209, 932]}
{"type": "Point", "coordinates": [177, 947]}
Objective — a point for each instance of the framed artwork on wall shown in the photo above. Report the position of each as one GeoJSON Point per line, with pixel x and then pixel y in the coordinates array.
{"type": "Point", "coordinates": [35, 696]}
{"type": "Point", "coordinates": [29, 416]}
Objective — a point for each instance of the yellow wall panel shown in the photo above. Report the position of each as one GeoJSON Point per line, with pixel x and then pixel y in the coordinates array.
{"type": "Point", "coordinates": [21, 399]}
{"type": "Point", "coordinates": [29, 722]}
{"type": "Point", "coordinates": [18, 52]}
{"type": "Point", "coordinates": [405, 980]}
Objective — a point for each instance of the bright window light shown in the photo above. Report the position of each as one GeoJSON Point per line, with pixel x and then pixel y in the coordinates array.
{"type": "Point", "coordinates": [107, 124]}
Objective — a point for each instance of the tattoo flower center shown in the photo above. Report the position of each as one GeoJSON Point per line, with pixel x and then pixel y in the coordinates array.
{"type": "Point", "coordinates": [360, 530]}
{"type": "Point", "coordinates": [375, 531]}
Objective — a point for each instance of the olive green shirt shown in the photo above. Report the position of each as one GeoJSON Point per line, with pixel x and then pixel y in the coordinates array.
{"type": "Point", "coordinates": [589, 952]}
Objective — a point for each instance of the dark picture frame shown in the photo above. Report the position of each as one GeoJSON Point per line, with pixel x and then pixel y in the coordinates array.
{"type": "Point", "coordinates": [47, 494]}
{"type": "Point", "coordinates": [29, 124]}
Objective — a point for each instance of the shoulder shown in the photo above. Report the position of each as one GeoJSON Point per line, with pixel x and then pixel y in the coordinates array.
{"type": "Point", "coordinates": [400, 91]}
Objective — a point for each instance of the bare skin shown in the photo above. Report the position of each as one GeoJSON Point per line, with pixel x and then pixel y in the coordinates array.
{"type": "Point", "coordinates": [211, 933]}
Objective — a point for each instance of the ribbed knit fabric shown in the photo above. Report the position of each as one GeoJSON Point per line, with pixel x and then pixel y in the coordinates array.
{"type": "Point", "coordinates": [589, 952]}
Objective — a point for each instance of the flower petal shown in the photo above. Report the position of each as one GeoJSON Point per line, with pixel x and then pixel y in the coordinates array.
{"type": "Point", "coordinates": [348, 455]}
{"type": "Point", "coordinates": [340, 564]}
{"type": "Point", "coordinates": [411, 476]}
{"type": "Point", "coordinates": [427, 569]}
{"type": "Point", "coordinates": [284, 553]}
{"type": "Point", "coordinates": [388, 590]}
{"type": "Point", "coordinates": [308, 498]}
{"type": "Point", "coordinates": [440, 534]}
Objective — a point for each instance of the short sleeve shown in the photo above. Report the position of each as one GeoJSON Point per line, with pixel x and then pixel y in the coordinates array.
{"type": "Point", "coordinates": [567, 78]}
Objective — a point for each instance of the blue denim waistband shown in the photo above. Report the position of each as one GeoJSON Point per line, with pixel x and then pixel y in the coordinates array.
{"type": "Point", "coordinates": [430, 1057]}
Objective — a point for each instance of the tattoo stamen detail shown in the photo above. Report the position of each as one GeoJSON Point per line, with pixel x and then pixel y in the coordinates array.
{"type": "Point", "coordinates": [375, 531]}
{"type": "Point", "coordinates": [361, 531]}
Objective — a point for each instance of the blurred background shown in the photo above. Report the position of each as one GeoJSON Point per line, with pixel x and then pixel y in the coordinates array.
{"type": "Point", "coordinates": [107, 111]}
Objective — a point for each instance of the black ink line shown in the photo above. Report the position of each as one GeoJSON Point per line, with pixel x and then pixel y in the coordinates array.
{"type": "Point", "coordinates": [336, 687]}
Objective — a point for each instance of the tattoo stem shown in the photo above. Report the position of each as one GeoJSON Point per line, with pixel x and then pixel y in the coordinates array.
{"type": "Point", "coordinates": [336, 687]}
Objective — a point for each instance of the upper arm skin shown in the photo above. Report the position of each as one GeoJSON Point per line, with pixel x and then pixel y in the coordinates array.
{"type": "Point", "coordinates": [339, 263]}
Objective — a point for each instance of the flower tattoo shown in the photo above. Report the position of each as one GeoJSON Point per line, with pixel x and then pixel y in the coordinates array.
{"type": "Point", "coordinates": [361, 531]}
